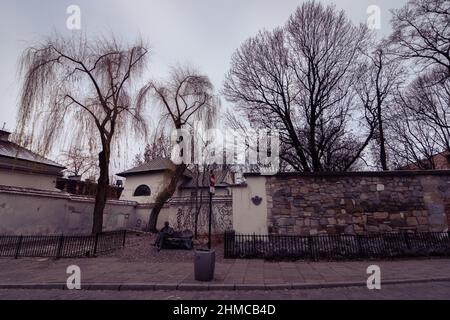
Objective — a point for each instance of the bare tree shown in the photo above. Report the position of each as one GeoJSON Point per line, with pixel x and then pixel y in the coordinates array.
{"type": "Point", "coordinates": [79, 162]}
{"type": "Point", "coordinates": [81, 89]}
{"type": "Point", "coordinates": [185, 96]}
{"type": "Point", "coordinates": [421, 31]}
{"type": "Point", "coordinates": [241, 126]}
{"type": "Point", "coordinates": [379, 78]}
{"type": "Point", "coordinates": [412, 142]}
{"type": "Point", "coordinates": [429, 99]}
{"type": "Point", "coordinates": [299, 79]}
{"type": "Point", "coordinates": [158, 147]}
{"type": "Point", "coordinates": [422, 122]}
{"type": "Point", "coordinates": [200, 175]}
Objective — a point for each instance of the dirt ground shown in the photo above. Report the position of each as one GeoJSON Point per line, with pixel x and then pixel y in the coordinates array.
{"type": "Point", "coordinates": [139, 247]}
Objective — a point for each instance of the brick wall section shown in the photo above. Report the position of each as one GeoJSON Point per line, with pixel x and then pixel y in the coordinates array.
{"type": "Point", "coordinates": [358, 202]}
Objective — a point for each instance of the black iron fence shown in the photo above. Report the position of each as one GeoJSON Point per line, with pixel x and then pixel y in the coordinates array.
{"type": "Point", "coordinates": [62, 246]}
{"type": "Point", "coordinates": [336, 247]}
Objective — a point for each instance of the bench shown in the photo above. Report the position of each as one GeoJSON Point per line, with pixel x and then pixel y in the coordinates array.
{"type": "Point", "coordinates": [178, 240]}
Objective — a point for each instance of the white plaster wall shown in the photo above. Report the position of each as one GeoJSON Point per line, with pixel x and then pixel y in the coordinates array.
{"type": "Point", "coordinates": [249, 218]}
{"type": "Point", "coordinates": [28, 215]}
{"type": "Point", "coordinates": [156, 182]}
{"type": "Point", "coordinates": [166, 214]}
{"type": "Point", "coordinates": [25, 180]}
{"type": "Point", "coordinates": [43, 213]}
{"type": "Point", "coordinates": [55, 212]}
{"type": "Point", "coordinates": [139, 220]}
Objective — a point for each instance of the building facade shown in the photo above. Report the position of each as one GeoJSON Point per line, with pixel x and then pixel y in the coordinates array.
{"type": "Point", "coordinates": [190, 201]}
{"type": "Point", "coordinates": [19, 167]}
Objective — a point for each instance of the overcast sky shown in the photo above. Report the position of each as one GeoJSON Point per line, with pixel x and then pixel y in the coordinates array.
{"type": "Point", "coordinates": [203, 33]}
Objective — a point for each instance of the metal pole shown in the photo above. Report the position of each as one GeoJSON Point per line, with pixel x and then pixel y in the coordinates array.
{"type": "Point", "coordinates": [19, 245]}
{"type": "Point", "coordinates": [60, 245]}
{"type": "Point", "coordinates": [210, 215]}
{"type": "Point", "coordinates": [124, 237]}
{"type": "Point", "coordinates": [96, 243]}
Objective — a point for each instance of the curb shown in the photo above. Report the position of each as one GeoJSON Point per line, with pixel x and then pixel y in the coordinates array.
{"type": "Point", "coordinates": [207, 287]}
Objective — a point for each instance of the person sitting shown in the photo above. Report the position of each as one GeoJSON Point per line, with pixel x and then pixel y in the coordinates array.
{"type": "Point", "coordinates": [163, 233]}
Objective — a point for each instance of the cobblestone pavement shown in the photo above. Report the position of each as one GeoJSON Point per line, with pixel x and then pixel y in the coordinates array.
{"type": "Point", "coordinates": [426, 291]}
{"type": "Point", "coordinates": [114, 270]}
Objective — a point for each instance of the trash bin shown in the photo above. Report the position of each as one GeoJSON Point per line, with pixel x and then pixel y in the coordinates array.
{"type": "Point", "coordinates": [204, 265]}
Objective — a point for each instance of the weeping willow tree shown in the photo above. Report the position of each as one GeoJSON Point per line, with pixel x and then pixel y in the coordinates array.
{"type": "Point", "coordinates": [79, 91]}
{"type": "Point", "coordinates": [186, 95]}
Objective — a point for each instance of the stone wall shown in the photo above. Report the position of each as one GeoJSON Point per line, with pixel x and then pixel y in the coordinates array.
{"type": "Point", "coordinates": [363, 202]}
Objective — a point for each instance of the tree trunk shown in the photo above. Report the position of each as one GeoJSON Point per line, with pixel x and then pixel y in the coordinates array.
{"type": "Point", "coordinates": [383, 158]}
{"type": "Point", "coordinates": [315, 161]}
{"type": "Point", "coordinates": [164, 196]}
{"type": "Point", "coordinates": [101, 196]}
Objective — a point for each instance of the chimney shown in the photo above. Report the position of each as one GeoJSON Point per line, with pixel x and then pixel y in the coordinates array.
{"type": "Point", "coordinates": [4, 135]}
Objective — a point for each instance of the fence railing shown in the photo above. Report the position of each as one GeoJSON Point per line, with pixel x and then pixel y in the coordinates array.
{"type": "Point", "coordinates": [335, 247]}
{"type": "Point", "coordinates": [62, 246]}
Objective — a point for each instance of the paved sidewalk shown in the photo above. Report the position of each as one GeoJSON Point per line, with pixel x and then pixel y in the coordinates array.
{"type": "Point", "coordinates": [111, 273]}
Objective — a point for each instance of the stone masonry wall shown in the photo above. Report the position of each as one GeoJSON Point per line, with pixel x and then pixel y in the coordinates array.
{"type": "Point", "coordinates": [358, 202]}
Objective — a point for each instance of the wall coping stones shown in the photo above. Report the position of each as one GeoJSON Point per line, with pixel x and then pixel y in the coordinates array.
{"type": "Point", "coordinates": [398, 173]}
{"type": "Point", "coordinates": [58, 195]}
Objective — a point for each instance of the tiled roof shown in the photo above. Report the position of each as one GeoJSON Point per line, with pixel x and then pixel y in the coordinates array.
{"type": "Point", "coordinates": [12, 150]}
{"type": "Point", "coordinates": [15, 157]}
{"type": "Point", "coordinates": [440, 160]}
{"type": "Point", "coordinates": [159, 164]}
{"type": "Point", "coordinates": [162, 164]}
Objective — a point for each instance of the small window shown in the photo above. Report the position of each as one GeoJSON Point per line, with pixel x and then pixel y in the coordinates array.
{"type": "Point", "coordinates": [142, 191]}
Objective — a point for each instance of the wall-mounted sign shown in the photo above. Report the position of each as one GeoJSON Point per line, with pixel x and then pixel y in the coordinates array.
{"type": "Point", "coordinates": [256, 200]}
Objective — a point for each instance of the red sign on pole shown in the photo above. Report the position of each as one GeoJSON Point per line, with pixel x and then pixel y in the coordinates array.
{"type": "Point", "coordinates": [212, 183]}
{"type": "Point", "coordinates": [212, 180]}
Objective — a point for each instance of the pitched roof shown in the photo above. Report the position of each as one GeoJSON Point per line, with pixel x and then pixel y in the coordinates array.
{"type": "Point", "coordinates": [13, 156]}
{"type": "Point", "coordinates": [440, 160]}
{"type": "Point", "coordinates": [159, 164]}
{"type": "Point", "coordinates": [162, 164]}
{"type": "Point", "coordinates": [12, 150]}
